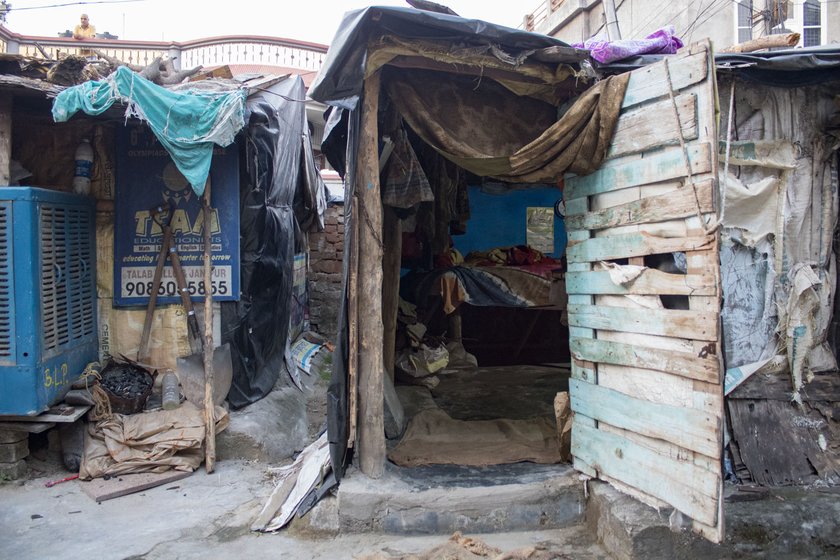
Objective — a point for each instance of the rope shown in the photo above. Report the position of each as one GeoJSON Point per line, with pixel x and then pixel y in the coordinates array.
{"type": "Point", "coordinates": [706, 228]}
{"type": "Point", "coordinates": [101, 402]}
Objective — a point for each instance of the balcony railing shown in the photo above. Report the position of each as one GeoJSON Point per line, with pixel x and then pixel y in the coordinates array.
{"type": "Point", "coordinates": [213, 51]}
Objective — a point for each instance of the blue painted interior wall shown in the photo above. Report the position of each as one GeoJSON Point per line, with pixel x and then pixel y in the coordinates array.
{"type": "Point", "coordinates": [498, 220]}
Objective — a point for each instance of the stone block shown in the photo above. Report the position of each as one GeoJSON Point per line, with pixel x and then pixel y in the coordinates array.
{"type": "Point", "coordinates": [12, 436]}
{"type": "Point", "coordinates": [13, 471]}
{"type": "Point", "coordinates": [12, 452]}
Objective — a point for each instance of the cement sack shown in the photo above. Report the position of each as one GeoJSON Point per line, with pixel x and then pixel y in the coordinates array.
{"type": "Point", "coordinates": [147, 442]}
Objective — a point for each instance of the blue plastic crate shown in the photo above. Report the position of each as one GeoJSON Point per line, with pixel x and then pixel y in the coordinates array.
{"type": "Point", "coordinates": [48, 330]}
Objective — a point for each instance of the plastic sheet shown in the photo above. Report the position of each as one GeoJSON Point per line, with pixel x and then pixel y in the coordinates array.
{"type": "Point", "coordinates": [339, 82]}
{"type": "Point", "coordinates": [276, 172]}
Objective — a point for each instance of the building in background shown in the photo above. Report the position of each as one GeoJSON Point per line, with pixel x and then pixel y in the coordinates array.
{"type": "Point", "coordinates": [725, 22]}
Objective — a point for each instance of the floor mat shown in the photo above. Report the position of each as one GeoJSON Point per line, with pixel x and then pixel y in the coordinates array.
{"type": "Point", "coordinates": [435, 438]}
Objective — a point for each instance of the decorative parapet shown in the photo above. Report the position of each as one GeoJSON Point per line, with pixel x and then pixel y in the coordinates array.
{"type": "Point", "coordinates": [551, 15]}
{"type": "Point", "coordinates": [212, 51]}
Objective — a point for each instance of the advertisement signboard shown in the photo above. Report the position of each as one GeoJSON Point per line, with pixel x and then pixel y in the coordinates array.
{"type": "Point", "coordinates": [147, 179]}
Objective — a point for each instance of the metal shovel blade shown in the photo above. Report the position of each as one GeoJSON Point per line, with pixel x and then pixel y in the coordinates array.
{"type": "Point", "coordinates": [191, 375]}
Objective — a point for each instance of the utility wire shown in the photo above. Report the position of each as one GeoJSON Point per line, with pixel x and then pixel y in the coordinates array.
{"type": "Point", "coordinates": [79, 3]}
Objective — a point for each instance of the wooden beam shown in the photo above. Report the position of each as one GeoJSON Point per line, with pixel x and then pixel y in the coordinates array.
{"type": "Point", "coordinates": [649, 82]}
{"type": "Point", "coordinates": [678, 363]}
{"type": "Point", "coordinates": [371, 365]}
{"type": "Point", "coordinates": [5, 137]}
{"type": "Point", "coordinates": [644, 128]}
{"type": "Point", "coordinates": [650, 282]}
{"type": "Point", "coordinates": [620, 174]}
{"type": "Point", "coordinates": [633, 245]}
{"type": "Point", "coordinates": [209, 405]}
{"type": "Point", "coordinates": [685, 427]}
{"type": "Point", "coordinates": [679, 203]}
{"type": "Point", "coordinates": [353, 322]}
{"type": "Point", "coordinates": [659, 322]}
{"type": "Point", "coordinates": [688, 487]}
{"type": "Point", "coordinates": [390, 285]}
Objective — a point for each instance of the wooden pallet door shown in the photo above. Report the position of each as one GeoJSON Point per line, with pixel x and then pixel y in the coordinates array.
{"type": "Point", "coordinates": [646, 384]}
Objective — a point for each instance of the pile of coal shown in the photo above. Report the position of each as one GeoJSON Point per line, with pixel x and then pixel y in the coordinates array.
{"type": "Point", "coordinates": [126, 380]}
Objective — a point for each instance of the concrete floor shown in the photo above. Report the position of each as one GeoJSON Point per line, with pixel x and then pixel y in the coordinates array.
{"type": "Point", "coordinates": [206, 516]}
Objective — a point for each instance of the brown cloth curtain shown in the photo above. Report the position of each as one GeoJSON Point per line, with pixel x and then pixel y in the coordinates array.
{"type": "Point", "coordinates": [490, 131]}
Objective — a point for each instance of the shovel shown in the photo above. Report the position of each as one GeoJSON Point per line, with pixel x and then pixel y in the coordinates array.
{"type": "Point", "coordinates": [191, 376]}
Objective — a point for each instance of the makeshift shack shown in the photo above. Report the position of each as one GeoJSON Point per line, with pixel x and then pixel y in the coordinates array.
{"type": "Point", "coordinates": [431, 103]}
{"type": "Point", "coordinates": [247, 143]}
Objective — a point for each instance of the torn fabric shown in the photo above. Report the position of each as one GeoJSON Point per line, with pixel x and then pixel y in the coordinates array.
{"type": "Point", "coordinates": [469, 122]}
{"type": "Point", "coordinates": [187, 124]}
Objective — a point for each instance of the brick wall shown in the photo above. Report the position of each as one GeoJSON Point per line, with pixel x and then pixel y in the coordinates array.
{"type": "Point", "coordinates": [326, 250]}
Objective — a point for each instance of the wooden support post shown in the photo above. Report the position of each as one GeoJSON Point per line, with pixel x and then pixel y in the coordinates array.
{"type": "Point", "coordinates": [5, 138]}
{"type": "Point", "coordinates": [391, 286]}
{"type": "Point", "coordinates": [209, 407]}
{"type": "Point", "coordinates": [371, 365]}
{"type": "Point", "coordinates": [353, 324]}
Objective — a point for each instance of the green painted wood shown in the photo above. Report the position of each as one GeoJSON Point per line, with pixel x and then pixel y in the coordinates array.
{"type": "Point", "coordinates": [693, 325]}
{"type": "Point", "coordinates": [679, 203]}
{"type": "Point", "coordinates": [633, 245]}
{"type": "Point", "coordinates": [650, 83]}
{"type": "Point", "coordinates": [682, 364]}
{"type": "Point", "coordinates": [649, 282]}
{"type": "Point", "coordinates": [685, 427]}
{"type": "Point", "coordinates": [690, 489]}
{"type": "Point", "coordinates": [665, 165]}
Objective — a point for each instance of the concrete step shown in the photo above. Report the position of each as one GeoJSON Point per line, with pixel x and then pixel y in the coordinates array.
{"type": "Point", "coordinates": [791, 522]}
{"type": "Point", "coordinates": [443, 499]}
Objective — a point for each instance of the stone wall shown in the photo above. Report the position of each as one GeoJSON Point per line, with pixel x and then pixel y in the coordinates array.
{"type": "Point", "coordinates": [326, 250]}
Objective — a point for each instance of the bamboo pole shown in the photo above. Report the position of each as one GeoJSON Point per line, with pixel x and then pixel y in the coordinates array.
{"type": "Point", "coordinates": [209, 408]}
{"type": "Point", "coordinates": [371, 374]}
{"type": "Point", "coordinates": [390, 286]}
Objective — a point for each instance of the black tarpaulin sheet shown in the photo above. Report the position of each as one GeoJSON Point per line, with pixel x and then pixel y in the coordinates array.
{"type": "Point", "coordinates": [339, 82]}
{"type": "Point", "coordinates": [782, 68]}
{"type": "Point", "coordinates": [274, 174]}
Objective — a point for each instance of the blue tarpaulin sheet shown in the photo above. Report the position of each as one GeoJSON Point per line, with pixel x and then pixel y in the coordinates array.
{"type": "Point", "coordinates": [188, 124]}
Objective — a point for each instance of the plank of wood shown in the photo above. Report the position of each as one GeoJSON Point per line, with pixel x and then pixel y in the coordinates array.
{"type": "Point", "coordinates": [780, 388]}
{"type": "Point", "coordinates": [644, 128]}
{"type": "Point", "coordinates": [606, 200]}
{"type": "Point", "coordinates": [353, 326]}
{"type": "Point", "coordinates": [660, 322]}
{"type": "Point", "coordinates": [633, 245]}
{"type": "Point", "coordinates": [649, 282]}
{"type": "Point", "coordinates": [649, 82]}
{"type": "Point", "coordinates": [685, 427]}
{"type": "Point", "coordinates": [690, 489]}
{"type": "Point", "coordinates": [29, 427]}
{"type": "Point", "coordinates": [6, 104]}
{"type": "Point", "coordinates": [392, 240]}
{"type": "Point", "coordinates": [676, 363]}
{"type": "Point", "coordinates": [779, 443]}
{"type": "Point", "coordinates": [73, 414]}
{"type": "Point", "coordinates": [676, 204]}
{"type": "Point", "coordinates": [663, 165]}
{"type": "Point", "coordinates": [117, 486]}
{"type": "Point", "coordinates": [371, 367]}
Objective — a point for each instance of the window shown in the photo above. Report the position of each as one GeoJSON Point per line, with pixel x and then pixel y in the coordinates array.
{"type": "Point", "coordinates": [811, 23]}
{"type": "Point", "coordinates": [745, 8]}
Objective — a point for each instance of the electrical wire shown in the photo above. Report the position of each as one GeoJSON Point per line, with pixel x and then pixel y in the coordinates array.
{"type": "Point", "coordinates": [78, 3]}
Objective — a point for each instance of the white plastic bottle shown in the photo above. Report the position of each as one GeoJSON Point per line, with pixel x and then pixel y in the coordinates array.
{"type": "Point", "coordinates": [170, 394]}
{"type": "Point", "coordinates": [83, 166]}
